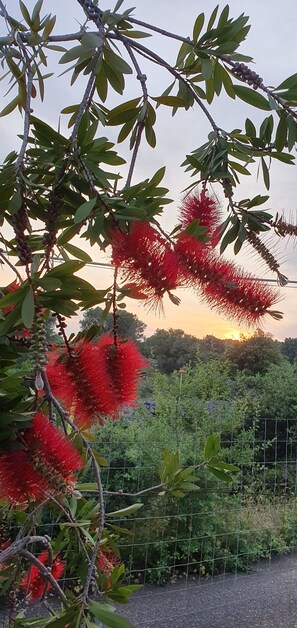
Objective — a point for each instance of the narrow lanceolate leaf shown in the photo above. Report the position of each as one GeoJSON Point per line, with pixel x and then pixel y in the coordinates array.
{"type": "Point", "coordinates": [108, 617]}
{"type": "Point", "coordinates": [28, 308]}
{"type": "Point", "coordinates": [125, 512]}
{"type": "Point", "coordinates": [251, 97]}
{"type": "Point", "coordinates": [170, 101]}
{"type": "Point", "coordinates": [84, 210]}
{"type": "Point", "coordinates": [198, 27]}
{"type": "Point", "coordinates": [212, 446]}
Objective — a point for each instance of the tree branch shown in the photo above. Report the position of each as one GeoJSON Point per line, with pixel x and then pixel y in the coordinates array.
{"type": "Point", "coordinates": [46, 573]}
{"type": "Point", "coordinates": [19, 544]}
{"type": "Point", "coordinates": [6, 260]}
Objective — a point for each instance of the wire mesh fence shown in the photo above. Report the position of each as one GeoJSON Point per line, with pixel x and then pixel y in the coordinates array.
{"type": "Point", "coordinates": [221, 530]}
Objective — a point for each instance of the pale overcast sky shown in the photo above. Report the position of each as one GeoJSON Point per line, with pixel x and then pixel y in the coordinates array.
{"type": "Point", "coordinates": [272, 43]}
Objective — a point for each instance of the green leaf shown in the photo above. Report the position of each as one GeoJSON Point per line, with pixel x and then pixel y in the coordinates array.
{"type": "Point", "coordinates": [266, 176]}
{"type": "Point", "coordinates": [212, 18]}
{"type": "Point", "coordinates": [36, 10]}
{"type": "Point", "coordinates": [84, 210]}
{"type": "Point", "coordinates": [10, 107]}
{"type": "Point", "coordinates": [206, 69]}
{"type": "Point", "coordinates": [170, 101]}
{"type": "Point", "coordinates": [78, 253]}
{"type": "Point", "coordinates": [221, 464]}
{"type": "Point", "coordinates": [49, 283]}
{"type": "Point", "coordinates": [28, 308]}
{"type": "Point", "coordinates": [126, 106]}
{"type": "Point", "coordinates": [198, 27]}
{"type": "Point", "coordinates": [25, 12]}
{"type": "Point", "coordinates": [77, 52]}
{"type": "Point", "coordinates": [10, 320]}
{"type": "Point", "coordinates": [68, 268]}
{"type": "Point", "coordinates": [251, 97]}
{"type": "Point", "coordinates": [221, 475]}
{"type": "Point", "coordinates": [15, 203]}
{"type": "Point", "coordinates": [212, 446]}
{"type": "Point", "coordinates": [116, 62]}
{"type": "Point", "coordinates": [281, 132]}
{"type": "Point", "coordinates": [229, 237]}
{"type": "Point", "coordinates": [91, 40]}
{"type": "Point", "coordinates": [289, 82]}
{"type": "Point", "coordinates": [125, 512]}
{"type": "Point", "coordinates": [107, 616]}
{"type": "Point", "coordinates": [250, 128]}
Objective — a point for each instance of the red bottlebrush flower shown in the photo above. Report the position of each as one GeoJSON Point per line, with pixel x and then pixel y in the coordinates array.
{"type": "Point", "coordinates": [121, 364]}
{"type": "Point", "coordinates": [222, 284]}
{"type": "Point", "coordinates": [106, 562]}
{"type": "Point", "coordinates": [146, 260]}
{"type": "Point", "coordinates": [35, 583]}
{"type": "Point", "coordinates": [19, 481]}
{"type": "Point", "coordinates": [98, 379]}
{"type": "Point", "coordinates": [52, 452]}
{"type": "Point", "coordinates": [46, 465]}
{"type": "Point", "coordinates": [203, 208]}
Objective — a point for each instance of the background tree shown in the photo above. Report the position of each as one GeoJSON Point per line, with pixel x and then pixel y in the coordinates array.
{"type": "Point", "coordinates": [255, 354]}
{"type": "Point", "coordinates": [128, 325]}
{"type": "Point", "coordinates": [172, 349]}
{"type": "Point", "coordinates": [289, 349]}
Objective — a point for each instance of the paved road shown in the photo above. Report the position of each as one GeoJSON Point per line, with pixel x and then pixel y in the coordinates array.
{"type": "Point", "coordinates": [266, 598]}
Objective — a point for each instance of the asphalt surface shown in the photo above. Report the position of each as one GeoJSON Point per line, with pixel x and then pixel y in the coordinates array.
{"type": "Point", "coordinates": [264, 598]}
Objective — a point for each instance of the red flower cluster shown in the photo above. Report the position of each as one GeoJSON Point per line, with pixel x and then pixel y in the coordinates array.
{"type": "Point", "coordinates": [222, 284]}
{"type": "Point", "coordinates": [34, 583]}
{"type": "Point", "coordinates": [203, 208]}
{"type": "Point", "coordinates": [145, 259]}
{"type": "Point", "coordinates": [98, 379]}
{"type": "Point", "coordinates": [47, 464]}
{"type": "Point", "coordinates": [106, 562]}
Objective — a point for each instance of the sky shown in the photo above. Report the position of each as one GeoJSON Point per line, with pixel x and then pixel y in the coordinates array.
{"type": "Point", "coordinates": [272, 43]}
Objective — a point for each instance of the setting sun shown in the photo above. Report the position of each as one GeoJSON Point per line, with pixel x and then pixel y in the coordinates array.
{"type": "Point", "coordinates": [236, 334]}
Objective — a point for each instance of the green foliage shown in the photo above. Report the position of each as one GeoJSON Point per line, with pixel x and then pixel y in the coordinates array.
{"type": "Point", "coordinates": [128, 325]}
{"type": "Point", "coordinates": [171, 350]}
{"type": "Point", "coordinates": [255, 354]}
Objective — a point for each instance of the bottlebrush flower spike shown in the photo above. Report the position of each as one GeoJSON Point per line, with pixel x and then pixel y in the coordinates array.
{"type": "Point", "coordinates": [203, 208]}
{"type": "Point", "coordinates": [106, 562]}
{"type": "Point", "coordinates": [223, 285]}
{"type": "Point", "coordinates": [35, 583]}
{"type": "Point", "coordinates": [98, 379]}
{"type": "Point", "coordinates": [52, 453]}
{"type": "Point", "coordinates": [19, 481]}
{"type": "Point", "coordinates": [121, 365]}
{"type": "Point", "coordinates": [47, 464]}
{"type": "Point", "coordinates": [145, 259]}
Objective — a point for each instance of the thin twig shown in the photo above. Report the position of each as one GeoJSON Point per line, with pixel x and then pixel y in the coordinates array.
{"type": "Point", "coordinates": [83, 106]}
{"type": "Point", "coordinates": [152, 56]}
{"type": "Point", "coordinates": [96, 467]}
{"type": "Point", "coordinates": [7, 261]}
{"type": "Point", "coordinates": [158, 487]}
{"type": "Point", "coordinates": [47, 574]}
{"type": "Point", "coordinates": [20, 160]}
{"type": "Point", "coordinates": [141, 124]}
{"type": "Point", "coordinates": [19, 544]}
{"type": "Point", "coordinates": [162, 31]}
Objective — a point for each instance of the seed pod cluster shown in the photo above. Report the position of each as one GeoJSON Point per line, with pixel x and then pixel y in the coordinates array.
{"type": "Point", "coordinates": [243, 72]}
